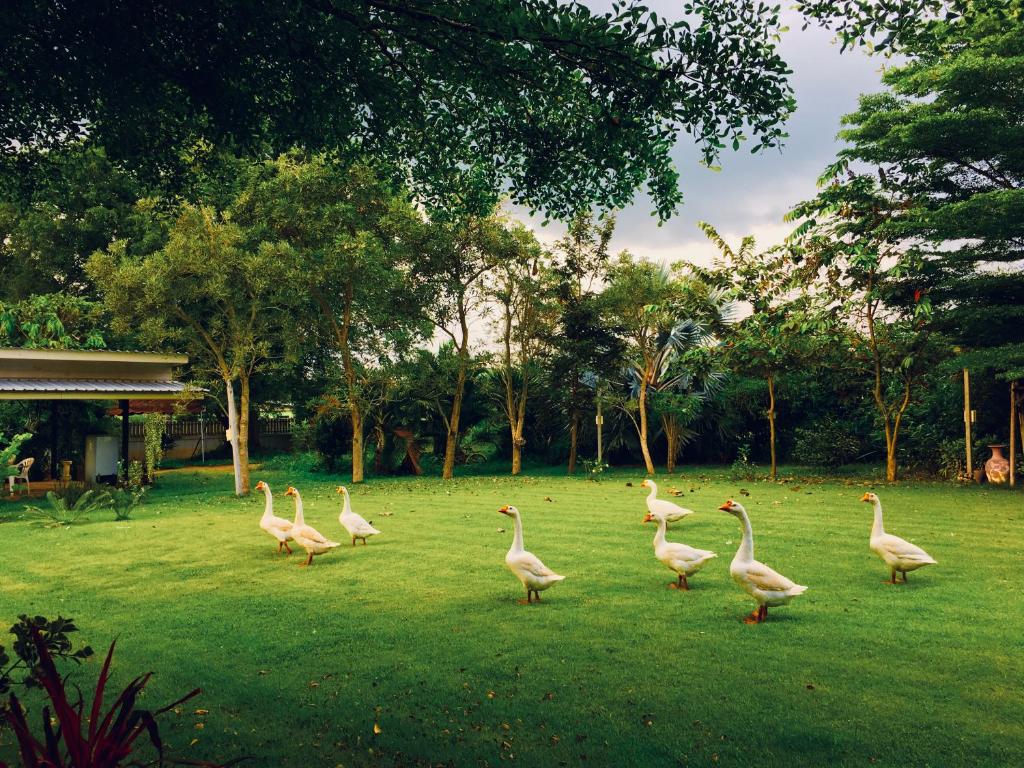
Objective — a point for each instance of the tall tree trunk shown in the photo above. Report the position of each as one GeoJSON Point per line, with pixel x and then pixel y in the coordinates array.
{"type": "Point", "coordinates": [358, 442]}
{"type": "Point", "coordinates": [671, 427]}
{"type": "Point", "coordinates": [574, 438]}
{"type": "Point", "coordinates": [452, 441]}
{"type": "Point", "coordinates": [243, 435]}
{"type": "Point", "coordinates": [342, 333]}
{"type": "Point", "coordinates": [517, 431]}
{"type": "Point", "coordinates": [773, 471]}
{"type": "Point", "coordinates": [380, 445]}
{"type": "Point", "coordinates": [648, 462]}
{"type": "Point", "coordinates": [233, 430]}
{"type": "Point", "coordinates": [574, 423]}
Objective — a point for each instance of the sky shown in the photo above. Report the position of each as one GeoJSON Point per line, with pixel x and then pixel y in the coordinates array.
{"type": "Point", "coordinates": [751, 193]}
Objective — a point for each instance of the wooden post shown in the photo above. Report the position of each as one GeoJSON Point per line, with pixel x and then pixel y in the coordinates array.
{"type": "Point", "coordinates": [967, 422]}
{"type": "Point", "coordinates": [1013, 433]}
{"type": "Point", "coordinates": [125, 410]}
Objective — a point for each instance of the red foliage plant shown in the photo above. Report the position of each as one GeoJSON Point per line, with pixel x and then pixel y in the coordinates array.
{"type": "Point", "coordinates": [98, 740]}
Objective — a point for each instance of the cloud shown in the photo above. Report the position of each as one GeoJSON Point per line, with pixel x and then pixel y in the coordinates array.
{"type": "Point", "coordinates": [751, 193]}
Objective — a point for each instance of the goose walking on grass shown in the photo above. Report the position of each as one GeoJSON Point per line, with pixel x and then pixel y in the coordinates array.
{"type": "Point", "coordinates": [901, 556]}
{"type": "Point", "coordinates": [769, 588]}
{"type": "Point", "coordinates": [527, 567]}
{"type": "Point", "coordinates": [672, 513]}
{"type": "Point", "coordinates": [682, 559]}
{"type": "Point", "coordinates": [277, 527]}
{"type": "Point", "coordinates": [355, 524]}
{"type": "Point", "coordinates": [306, 536]}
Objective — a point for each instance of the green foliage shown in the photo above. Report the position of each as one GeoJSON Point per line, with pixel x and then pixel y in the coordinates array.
{"type": "Point", "coordinates": [154, 427]}
{"type": "Point", "coordinates": [594, 469]}
{"type": "Point", "coordinates": [70, 507]}
{"type": "Point", "coordinates": [29, 633]}
{"type": "Point", "coordinates": [551, 103]}
{"type": "Point", "coordinates": [9, 453]}
{"type": "Point", "coordinates": [742, 467]}
{"type": "Point", "coordinates": [51, 321]}
{"type": "Point", "coordinates": [827, 442]}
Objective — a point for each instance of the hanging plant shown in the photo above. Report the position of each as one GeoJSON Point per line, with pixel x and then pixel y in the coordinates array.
{"type": "Point", "coordinates": [153, 429]}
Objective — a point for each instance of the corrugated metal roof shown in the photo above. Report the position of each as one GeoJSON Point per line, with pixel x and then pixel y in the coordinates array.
{"type": "Point", "coordinates": [90, 385]}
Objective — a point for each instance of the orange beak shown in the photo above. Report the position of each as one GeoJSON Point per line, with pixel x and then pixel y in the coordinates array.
{"type": "Point", "coordinates": [261, 486]}
{"type": "Point", "coordinates": [727, 506]}
{"type": "Point", "coordinates": [648, 517]}
{"type": "Point", "coordinates": [504, 510]}
{"type": "Point", "coordinates": [865, 498]}
{"type": "Point", "coordinates": [339, 489]}
{"type": "Point", "coordinates": [290, 492]}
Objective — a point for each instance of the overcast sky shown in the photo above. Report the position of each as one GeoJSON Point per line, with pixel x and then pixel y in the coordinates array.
{"type": "Point", "coordinates": [752, 192]}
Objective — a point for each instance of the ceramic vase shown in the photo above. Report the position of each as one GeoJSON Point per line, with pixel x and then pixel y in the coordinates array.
{"type": "Point", "coordinates": [997, 468]}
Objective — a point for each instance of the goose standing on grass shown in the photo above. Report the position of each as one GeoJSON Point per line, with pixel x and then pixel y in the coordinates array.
{"type": "Point", "coordinates": [526, 566]}
{"type": "Point", "coordinates": [355, 524]}
{"type": "Point", "coordinates": [769, 588]}
{"type": "Point", "coordinates": [277, 527]}
{"type": "Point", "coordinates": [306, 536]}
{"type": "Point", "coordinates": [672, 513]}
{"type": "Point", "coordinates": [682, 559]}
{"type": "Point", "coordinates": [901, 556]}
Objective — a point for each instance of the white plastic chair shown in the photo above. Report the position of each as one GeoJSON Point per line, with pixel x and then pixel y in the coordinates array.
{"type": "Point", "coordinates": [23, 467]}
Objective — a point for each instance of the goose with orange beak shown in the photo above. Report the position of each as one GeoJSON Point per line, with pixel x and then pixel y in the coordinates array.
{"type": "Point", "coordinates": [306, 536]}
{"type": "Point", "coordinates": [768, 587]}
{"type": "Point", "coordinates": [277, 527]}
{"type": "Point", "coordinates": [353, 522]}
{"type": "Point", "coordinates": [661, 508]}
{"type": "Point", "coordinates": [682, 559]}
{"type": "Point", "coordinates": [526, 566]}
{"type": "Point", "coordinates": [900, 555]}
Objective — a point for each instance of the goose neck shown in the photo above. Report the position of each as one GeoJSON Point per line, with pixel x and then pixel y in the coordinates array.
{"type": "Point", "coordinates": [517, 540]}
{"type": "Point", "coordinates": [746, 550]}
{"type": "Point", "coordinates": [877, 529]}
{"type": "Point", "coordinates": [300, 518]}
{"type": "Point", "coordinates": [268, 504]}
{"type": "Point", "coordinates": [659, 535]}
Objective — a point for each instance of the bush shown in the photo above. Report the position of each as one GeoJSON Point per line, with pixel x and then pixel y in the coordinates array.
{"type": "Point", "coordinates": [71, 507]}
{"type": "Point", "coordinates": [85, 736]}
{"type": "Point", "coordinates": [828, 443]}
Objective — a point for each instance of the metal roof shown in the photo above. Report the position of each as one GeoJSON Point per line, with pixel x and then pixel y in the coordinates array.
{"type": "Point", "coordinates": [99, 355]}
{"type": "Point", "coordinates": [98, 389]}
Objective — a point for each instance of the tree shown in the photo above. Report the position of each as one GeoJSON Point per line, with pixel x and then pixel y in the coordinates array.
{"type": "Point", "coordinates": [53, 216]}
{"type": "Point", "coordinates": [585, 344]}
{"type": "Point", "coordinates": [52, 321]}
{"type": "Point", "coordinates": [352, 240]}
{"type": "Point", "coordinates": [453, 267]}
{"type": "Point", "coordinates": [208, 292]}
{"type": "Point", "coordinates": [773, 337]}
{"type": "Point", "coordinates": [942, 139]}
{"type": "Point", "coordinates": [550, 101]}
{"type": "Point", "coordinates": [651, 304]}
{"type": "Point", "coordinates": [847, 245]}
{"type": "Point", "coordinates": [522, 294]}
{"type": "Point", "coordinates": [687, 377]}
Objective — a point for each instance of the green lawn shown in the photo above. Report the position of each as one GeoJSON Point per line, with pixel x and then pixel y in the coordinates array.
{"type": "Point", "coordinates": [420, 632]}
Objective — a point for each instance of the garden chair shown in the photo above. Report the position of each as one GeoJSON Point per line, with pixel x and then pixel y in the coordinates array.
{"type": "Point", "coordinates": [23, 467]}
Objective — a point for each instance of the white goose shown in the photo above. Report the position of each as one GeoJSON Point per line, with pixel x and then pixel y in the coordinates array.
{"type": "Point", "coordinates": [682, 559]}
{"type": "Point", "coordinates": [277, 527]}
{"type": "Point", "coordinates": [769, 588]}
{"type": "Point", "coordinates": [306, 536]}
{"type": "Point", "coordinates": [526, 566]}
{"type": "Point", "coordinates": [901, 556]}
{"type": "Point", "coordinates": [355, 524]}
{"type": "Point", "coordinates": [672, 513]}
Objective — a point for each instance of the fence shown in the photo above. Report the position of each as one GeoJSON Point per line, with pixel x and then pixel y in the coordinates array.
{"type": "Point", "coordinates": [184, 428]}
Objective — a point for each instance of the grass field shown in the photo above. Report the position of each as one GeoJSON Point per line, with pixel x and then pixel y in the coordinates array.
{"type": "Point", "coordinates": [419, 633]}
